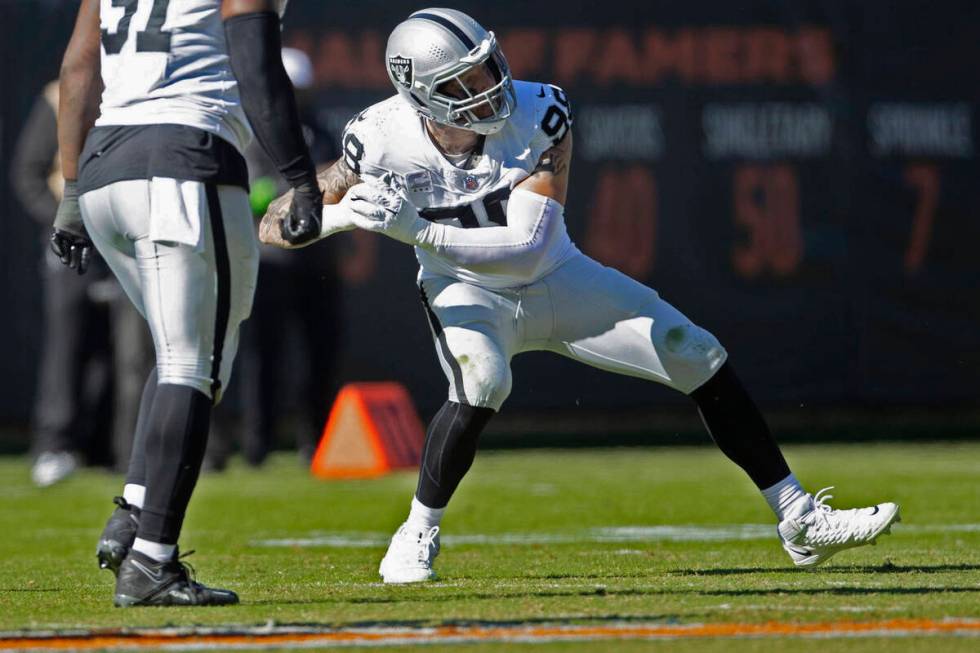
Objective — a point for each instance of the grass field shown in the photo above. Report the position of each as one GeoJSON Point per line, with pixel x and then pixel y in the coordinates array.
{"type": "Point", "coordinates": [585, 537]}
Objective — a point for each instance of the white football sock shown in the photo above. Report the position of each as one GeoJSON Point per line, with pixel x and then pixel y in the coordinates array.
{"type": "Point", "coordinates": [134, 494]}
{"type": "Point", "coordinates": [783, 495]}
{"type": "Point", "coordinates": [424, 517]}
{"type": "Point", "coordinates": [155, 550]}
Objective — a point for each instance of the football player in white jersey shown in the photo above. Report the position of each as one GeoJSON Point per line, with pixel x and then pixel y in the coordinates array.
{"type": "Point", "coordinates": [158, 101]}
{"type": "Point", "coordinates": [472, 168]}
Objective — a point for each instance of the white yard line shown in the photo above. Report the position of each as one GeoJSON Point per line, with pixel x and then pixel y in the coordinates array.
{"type": "Point", "coordinates": [688, 533]}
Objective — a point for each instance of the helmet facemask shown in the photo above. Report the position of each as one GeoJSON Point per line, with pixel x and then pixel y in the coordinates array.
{"type": "Point", "coordinates": [495, 103]}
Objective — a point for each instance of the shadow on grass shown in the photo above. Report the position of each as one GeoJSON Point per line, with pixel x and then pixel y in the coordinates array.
{"type": "Point", "coordinates": [585, 577]}
{"type": "Point", "coordinates": [604, 592]}
{"type": "Point", "coordinates": [664, 618]}
{"type": "Point", "coordinates": [455, 597]}
{"type": "Point", "coordinates": [833, 591]}
{"type": "Point", "coordinates": [887, 568]}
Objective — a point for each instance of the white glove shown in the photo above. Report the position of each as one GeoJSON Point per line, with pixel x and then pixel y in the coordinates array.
{"type": "Point", "coordinates": [378, 208]}
{"type": "Point", "coordinates": [337, 218]}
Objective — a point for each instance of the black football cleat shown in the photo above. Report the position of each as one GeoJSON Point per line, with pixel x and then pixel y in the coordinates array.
{"type": "Point", "coordinates": [118, 535]}
{"type": "Point", "coordinates": [144, 581]}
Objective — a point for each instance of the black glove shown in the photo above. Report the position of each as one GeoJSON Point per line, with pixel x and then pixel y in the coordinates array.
{"type": "Point", "coordinates": [70, 240]}
{"type": "Point", "coordinates": [302, 224]}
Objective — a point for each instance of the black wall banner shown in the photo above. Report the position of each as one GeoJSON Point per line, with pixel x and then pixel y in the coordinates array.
{"type": "Point", "coordinates": [801, 178]}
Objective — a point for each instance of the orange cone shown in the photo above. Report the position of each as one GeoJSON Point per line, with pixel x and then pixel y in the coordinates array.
{"type": "Point", "coordinates": [372, 429]}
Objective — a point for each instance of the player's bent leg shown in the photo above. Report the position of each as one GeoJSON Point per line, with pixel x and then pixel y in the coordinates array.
{"type": "Point", "coordinates": [474, 333]}
{"type": "Point", "coordinates": [628, 329]}
{"type": "Point", "coordinates": [103, 209]}
{"type": "Point", "coordinates": [182, 290]}
{"type": "Point", "coordinates": [478, 372]}
{"type": "Point", "coordinates": [607, 320]}
{"type": "Point", "coordinates": [175, 444]}
{"type": "Point", "coordinates": [734, 422]}
{"type": "Point", "coordinates": [810, 530]}
{"type": "Point", "coordinates": [195, 296]}
{"type": "Point", "coordinates": [120, 531]}
{"type": "Point", "coordinates": [151, 573]}
{"type": "Point", "coordinates": [468, 325]}
{"type": "Point", "coordinates": [450, 447]}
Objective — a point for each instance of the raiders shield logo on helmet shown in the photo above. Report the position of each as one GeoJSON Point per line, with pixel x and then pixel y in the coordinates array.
{"type": "Point", "coordinates": [401, 70]}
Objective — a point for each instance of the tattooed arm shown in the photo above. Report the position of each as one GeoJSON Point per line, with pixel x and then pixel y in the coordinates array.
{"type": "Point", "coordinates": [334, 182]}
{"type": "Point", "coordinates": [550, 177]}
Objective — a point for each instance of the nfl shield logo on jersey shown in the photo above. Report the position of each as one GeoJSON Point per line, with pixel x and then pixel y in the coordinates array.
{"type": "Point", "coordinates": [401, 70]}
{"type": "Point", "coordinates": [470, 182]}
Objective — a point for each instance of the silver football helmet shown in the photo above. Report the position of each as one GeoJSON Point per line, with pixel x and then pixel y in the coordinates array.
{"type": "Point", "coordinates": [435, 47]}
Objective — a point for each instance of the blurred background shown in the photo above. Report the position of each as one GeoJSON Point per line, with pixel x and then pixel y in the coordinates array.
{"type": "Point", "coordinates": [800, 177]}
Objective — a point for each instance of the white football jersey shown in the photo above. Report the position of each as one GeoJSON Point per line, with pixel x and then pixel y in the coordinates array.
{"type": "Point", "coordinates": [389, 139]}
{"type": "Point", "coordinates": [166, 62]}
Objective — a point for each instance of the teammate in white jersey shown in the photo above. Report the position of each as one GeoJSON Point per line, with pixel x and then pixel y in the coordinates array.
{"type": "Point", "coordinates": [160, 189]}
{"type": "Point", "coordinates": [472, 169]}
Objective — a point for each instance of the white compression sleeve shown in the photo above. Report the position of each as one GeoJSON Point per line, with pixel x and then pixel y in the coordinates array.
{"type": "Point", "coordinates": [532, 221]}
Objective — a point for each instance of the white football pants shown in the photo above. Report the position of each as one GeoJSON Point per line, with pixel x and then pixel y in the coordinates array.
{"type": "Point", "coordinates": [187, 256]}
{"type": "Point", "coordinates": [583, 310]}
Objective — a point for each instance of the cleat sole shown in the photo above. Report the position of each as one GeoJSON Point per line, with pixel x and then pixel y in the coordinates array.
{"type": "Point", "coordinates": [123, 601]}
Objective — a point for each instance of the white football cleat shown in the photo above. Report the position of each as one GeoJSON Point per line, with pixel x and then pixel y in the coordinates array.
{"type": "Point", "coordinates": [813, 531]}
{"type": "Point", "coordinates": [53, 467]}
{"type": "Point", "coordinates": [410, 555]}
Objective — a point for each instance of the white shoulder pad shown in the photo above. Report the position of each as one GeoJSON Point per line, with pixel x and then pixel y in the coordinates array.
{"type": "Point", "coordinates": [371, 136]}
{"type": "Point", "coordinates": [553, 112]}
{"type": "Point", "coordinates": [544, 110]}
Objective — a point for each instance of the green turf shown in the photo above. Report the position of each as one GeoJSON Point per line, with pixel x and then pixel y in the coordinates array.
{"type": "Point", "coordinates": [48, 576]}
